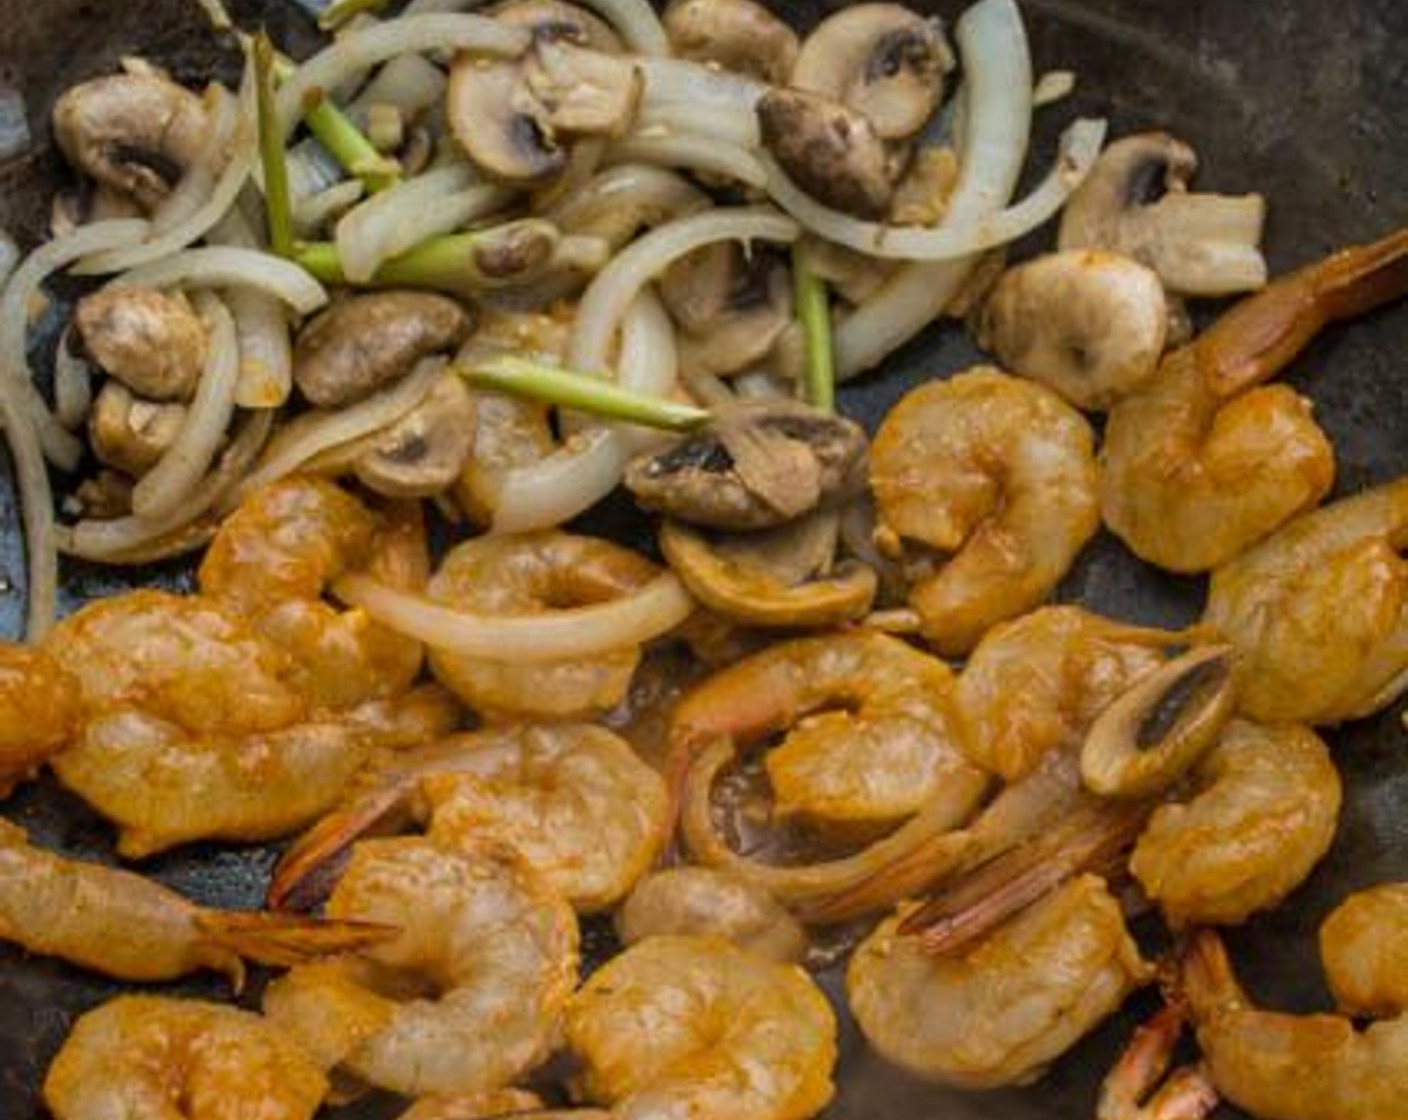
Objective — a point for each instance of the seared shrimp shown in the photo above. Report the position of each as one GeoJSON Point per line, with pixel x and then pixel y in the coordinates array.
{"type": "Point", "coordinates": [176, 1059]}
{"type": "Point", "coordinates": [468, 995]}
{"type": "Point", "coordinates": [573, 800]}
{"type": "Point", "coordinates": [1263, 814]}
{"type": "Point", "coordinates": [1207, 460]}
{"type": "Point", "coordinates": [1001, 1011]}
{"type": "Point", "coordinates": [131, 928]}
{"type": "Point", "coordinates": [496, 1104]}
{"type": "Point", "coordinates": [273, 559]}
{"type": "Point", "coordinates": [992, 480]}
{"type": "Point", "coordinates": [694, 1027]}
{"type": "Point", "coordinates": [1300, 1067]}
{"type": "Point", "coordinates": [1364, 944]}
{"type": "Point", "coordinates": [523, 574]}
{"type": "Point", "coordinates": [38, 712]}
{"type": "Point", "coordinates": [1318, 612]}
{"type": "Point", "coordinates": [698, 900]}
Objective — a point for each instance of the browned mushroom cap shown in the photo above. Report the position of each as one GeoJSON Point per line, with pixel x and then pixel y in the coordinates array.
{"type": "Point", "coordinates": [732, 306]}
{"type": "Point", "coordinates": [884, 61]}
{"type": "Point", "coordinates": [367, 341]}
{"type": "Point", "coordinates": [831, 152]}
{"type": "Point", "coordinates": [738, 35]}
{"type": "Point", "coordinates": [129, 433]}
{"type": "Point", "coordinates": [779, 578]}
{"type": "Point", "coordinates": [758, 465]}
{"type": "Point", "coordinates": [154, 343]}
{"type": "Point", "coordinates": [136, 133]}
{"type": "Point", "coordinates": [423, 453]}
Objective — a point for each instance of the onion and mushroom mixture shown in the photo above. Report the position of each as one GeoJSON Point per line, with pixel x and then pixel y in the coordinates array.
{"type": "Point", "coordinates": [488, 269]}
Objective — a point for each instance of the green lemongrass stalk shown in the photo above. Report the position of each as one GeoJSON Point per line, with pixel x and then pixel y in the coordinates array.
{"type": "Point", "coordinates": [277, 201]}
{"type": "Point", "coordinates": [814, 312]}
{"type": "Point", "coordinates": [340, 11]}
{"type": "Point", "coordinates": [582, 392]}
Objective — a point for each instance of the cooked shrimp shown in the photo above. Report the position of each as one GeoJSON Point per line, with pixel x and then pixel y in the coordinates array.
{"type": "Point", "coordinates": [1295, 1067]}
{"type": "Point", "coordinates": [997, 476]}
{"type": "Point", "coordinates": [1001, 1011]}
{"type": "Point", "coordinates": [180, 1059]}
{"type": "Point", "coordinates": [467, 997]}
{"type": "Point", "coordinates": [497, 1103]}
{"type": "Point", "coordinates": [1132, 1089]}
{"type": "Point", "coordinates": [131, 928]}
{"type": "Point", "coordinates": [520, 575]}
{"type": "Point", "coordinates": [694, 1027]}
{"type": "Point", "coordinates": [1207, 460]}
{"type": "Point", "coordinates": [1364, 944]}
{"type": "Point", "coordinates": [871, 730]}
{"type": "Point", "coordinates": [698, 900]}
{"type": "Point", "coordinates": [1264, 810]}
{"type": "Point", "coordinates": [38, 712]}
{"type": "Point", "coordinates": [272, 560]}
{"type": "Point", "coordinates": [1318, 612]}
{"type": "Point", "coordinates": [573, 800]}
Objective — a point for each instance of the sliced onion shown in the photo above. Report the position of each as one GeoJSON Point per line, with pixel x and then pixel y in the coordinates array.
{"type": "Point", "coordinates": [679, 81]}
{"type": "Point", "coordinates": [356, 52]}
{"type": "Point", "coordinates": [312, 213]}
{"type": "Point", "coordinates": [73, 384]}
{"type": "Point", "coordinates": [616, 203]}
{"type": "Point", "coordinates": [266, 353]}
{"type": "Point", "coordinates": [1080, 145]}
{"type": "Point", "coordinates": [14, 124]}
{"type": "Point", "coordinates": [995, 127]}
{"type": "Point", "coordinates": [20, 293]}
{"type": "Point", "coordinates": [9, 256]}
{"type": "Point", "coordinates": [397, 220]}
{"type": "Point", "coordinates": [636, 618]}
{"type": "Point", "coordinates": [408, 82]}
{"type": "Point", "coordinates": [695, 153]}
{"type": "Point", "coordinates": [225, 266]}
{"type": "Point", "coordinates": [733, 127]}
{"type": "Point", "coordinates": [170, 481]}
{"type": "Point", "coordinates": [637, 23]}
{"type": "Point", "coordinates": [312, 170]}
{"type": "Point", "coordinates": [199, 179]}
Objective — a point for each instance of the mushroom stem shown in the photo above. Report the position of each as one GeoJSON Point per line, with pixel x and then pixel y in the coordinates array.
{"type": "Point", "coordinates": [277, 200]}
{"type": "Point", "coordinates": [814, 311]}
{"type": "Point", "coordinates": [583, 392]}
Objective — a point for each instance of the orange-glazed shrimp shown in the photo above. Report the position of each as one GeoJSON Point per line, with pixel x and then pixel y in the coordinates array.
{"type": "Point", "coordinates": [1206, 460]}
{"type": "Point", "coordinates": [274, 557]}
{"type": "Point", "coordinates": [38, 712]}
{"type": "Point", "coordinates": [992, 478]}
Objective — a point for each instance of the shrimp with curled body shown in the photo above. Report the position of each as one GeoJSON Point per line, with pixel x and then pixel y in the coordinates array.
{"type": "Point", "coordinates": [699, 900]}
{"type": "Point", "coordinates": [694, 1028]}
{"type": "Point", "coordinates": [38, 712]}
{"type": "Point", "coordinates": [1207, 460]}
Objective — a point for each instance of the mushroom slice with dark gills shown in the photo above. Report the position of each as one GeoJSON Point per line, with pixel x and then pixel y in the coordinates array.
{"type": "Point", "coordinates": [423, 453]}
{"type": "Point", "coordinates": [153, 342]}
{"type": "Point", "coordinates": [758, 465]}
{"type": "Point", "coordinates": [738, 35]}
{"type": "Point", "coordinates": [733, 306]}
{"type": "Point", "coordinates": [365, 342]}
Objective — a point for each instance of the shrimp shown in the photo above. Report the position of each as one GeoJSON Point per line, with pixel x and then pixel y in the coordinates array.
{"type": "Point", "coordinates": [130, 928]}
{"type": "Point", "coordinates": [1364, 944]}
{"type": "Point", "coordinates": [698, 900]}
{"type": "Point", "coordinates": [1001, 1011]}
{"type": "Point", "coordinates": [179, 1059]}
{"type": "Point", "coordinates": [995, 474]}
{"type": "Point", "coordinates": [467, 997]}
{"type": "Point", "coordinates": [273, 558]}
{"type": "Point", "coordinates": [1302, 1067]}
{"type": "Point", "coordinates": [1207, 460]}
{"type": "Point", "coordinates": [521, 575]}
{"type": "Point", "coordinates": [694, 1028]}
{"type": "Point", "coordinates": [517, 1103]}
{"type": "Point", "coordinates": [193, 726]}
{"type": "Point", "coordinates": [38, 712]}
{"type": "Point", "coordinates": [1186, 1094]}
{"type": "Point", "coordinates": [1264, 811]}
{"type": "Point", "coordinates": [1318, 612]}
{"type": "Point", "coordinates": [573, 800]}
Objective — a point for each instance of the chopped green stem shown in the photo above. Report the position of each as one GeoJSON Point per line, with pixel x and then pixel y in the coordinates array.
{"type": "Point", "coordinates": [523, 378]}
{"type": "Point", "coordinates": [340, 11]}
{"type": "Point", "coordinates": [814, 311]}
{"type": "Point", "coordinates": [277, 201]}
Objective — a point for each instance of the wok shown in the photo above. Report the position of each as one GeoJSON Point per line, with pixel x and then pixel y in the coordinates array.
{"type": "Point", "coordinates": [1302, 100]}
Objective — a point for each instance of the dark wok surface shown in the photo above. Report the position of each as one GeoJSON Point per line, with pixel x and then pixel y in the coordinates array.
{"type": "Point", "coordinates": [1305, 101]}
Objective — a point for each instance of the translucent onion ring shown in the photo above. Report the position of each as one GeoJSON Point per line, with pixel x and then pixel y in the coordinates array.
{"type": "Point", "coordinates": [224, 266]}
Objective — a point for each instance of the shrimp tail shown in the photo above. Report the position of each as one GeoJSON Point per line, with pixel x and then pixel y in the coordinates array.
{"type": "Point", "coordinates": [285, 940]}
{"type": "Point", "coordinates": [1205, 977]}
{"type": "Point", "coordinates": [1187, 1094]}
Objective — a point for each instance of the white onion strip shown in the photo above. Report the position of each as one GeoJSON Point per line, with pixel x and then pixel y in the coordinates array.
{"type": "Point", "coordinates": [358, 51]}
{"type": "Point", "coordinates": [637, 24]}
{"type": "Point", "coordinates": [1080, 145]}
{"type": "Point", "coordinates": [658, 607]}
{"type": "Point", "coordinates": [225, 266]}
{"type": "Point", "coordinates": [733, 126]}
{"type": "Point", "coordinates": [266, 352]}
{"type": "Point", "coordinates": [694, 153]}
{"type": "Point", "coordinates": [170, 481]}
{"type": "Point", "coordinates": [679, 81]}
{"type": "Point", "coordinates": [199, 179]}
{"type": "Point", "coordinates": [73, 384]}
{"type": "Point", "coordinates": [20, 294]}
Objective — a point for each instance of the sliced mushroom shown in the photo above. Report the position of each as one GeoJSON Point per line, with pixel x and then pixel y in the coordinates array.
{"type": "Point", "coordinates": [1091, 325]}
{"type": "Point", "coordinates": [107, 495]}
{"type": "Point", "coordinates": [136, 133]}
{"type": "Point", "coordinates": [732, 306]}
{"type": "Point", "coordinates": [153, 342]}
{"type": "Point", "coordinates": [884, 61]}
{"type": "Point", "coordinates": [1154, 733]}
{"type": "Point", "coordinates": [554, 19]}
{"type": "Point", "coordinates": [738, 35]}
{"type": "Point", "coordinates": [129, 433]}
{"type": "Point", "coordinates": [758, 465]}
{"type": "Point", "coordinates": [367, 341]}
{"type": "Point", "coordinates": [831, 152]}
{"type": "Point", "coordinates": [778, 578]}
{"type": "Point", "coordinates": [423, 453]}
{"type": "Point", "coordinates": [1136, 201]}
{"type": "Point", "coordinates": [619, 202]}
